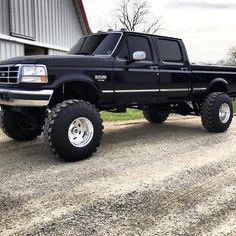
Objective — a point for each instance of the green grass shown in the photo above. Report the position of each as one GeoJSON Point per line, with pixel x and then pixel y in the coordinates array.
{"type": "Point", "coordinates": [234, 104]}
{"type": "Point", "coordinates": [131, 114]}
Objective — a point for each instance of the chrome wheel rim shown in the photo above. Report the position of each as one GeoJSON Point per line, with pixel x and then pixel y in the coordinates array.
{"type": "Point", "coordinates": [224, 113]}
{"type": "Point", "coordinates": [80, 132]}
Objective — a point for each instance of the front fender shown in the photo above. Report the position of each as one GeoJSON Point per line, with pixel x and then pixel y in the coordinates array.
{"type": "Point", "coordinates": [73, 78]}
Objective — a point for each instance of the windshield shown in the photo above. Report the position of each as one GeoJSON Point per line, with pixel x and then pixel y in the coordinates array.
{"type": "Point", "coordinates": [99, 44]}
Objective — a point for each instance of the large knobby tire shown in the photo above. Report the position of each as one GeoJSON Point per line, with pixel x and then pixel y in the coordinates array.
{"type": "Point", "coordinates": [155, 115]}
{"type": "Point", "coordinates": [18, 126]}
{"type": "Point", "coordinates": [73, 130]}
{"type": "Point", "coordinates": [217, 112]}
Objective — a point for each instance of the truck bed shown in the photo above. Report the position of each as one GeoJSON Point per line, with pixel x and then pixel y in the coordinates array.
{"type": "Point", "coordinates": [203, 76]}
{"type": "Point", "coordinates": [211, 68]}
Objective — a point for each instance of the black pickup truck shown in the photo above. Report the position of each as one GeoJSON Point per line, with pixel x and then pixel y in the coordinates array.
{"type": "Point", "coordinates": [111, 71]}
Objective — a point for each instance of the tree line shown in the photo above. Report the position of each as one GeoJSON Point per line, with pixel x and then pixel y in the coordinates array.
{"type": "Point", "coordinates": [230, 59]}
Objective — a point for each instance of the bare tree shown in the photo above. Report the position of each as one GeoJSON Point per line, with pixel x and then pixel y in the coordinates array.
{"type": "Point", "coordinates": [135, 15]}
{"type": "Point", "coordinates": [232, 56]}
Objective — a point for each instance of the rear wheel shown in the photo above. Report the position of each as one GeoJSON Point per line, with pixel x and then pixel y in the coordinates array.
{"type": "Point", "coordinates": [217, 112]}
{"type": "Point", "coordinates": [73, 130]}
{"type": "Point", "coordinates": [156, 115]}
{"type": "Point", "coordinates": [19, 126]}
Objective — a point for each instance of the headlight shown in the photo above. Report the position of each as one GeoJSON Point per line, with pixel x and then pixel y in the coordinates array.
{"type": "Point", "coordinates": [34, 74]}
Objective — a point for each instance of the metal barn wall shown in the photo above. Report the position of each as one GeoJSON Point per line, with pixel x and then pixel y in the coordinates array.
{"type": "Point", "coordinates": [4, 17]}
{"type": "Point", "coordinates": [10, 49]}
{"type": "Point", "coordinates": [56, 52]}
{"type": "Point", "coordinates": [55, 22]}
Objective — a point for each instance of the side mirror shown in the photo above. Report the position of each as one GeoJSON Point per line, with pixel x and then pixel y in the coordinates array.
{"type": "Point", "coordinates": [139, 56]}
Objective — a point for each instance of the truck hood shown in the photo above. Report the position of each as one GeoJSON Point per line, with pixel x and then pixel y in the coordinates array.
{"type": "Point", "coordinates": [61, 61]}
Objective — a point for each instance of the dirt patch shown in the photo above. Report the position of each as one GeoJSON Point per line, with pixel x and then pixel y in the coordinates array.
{"type": "Point", "coordinates": [170, 179]}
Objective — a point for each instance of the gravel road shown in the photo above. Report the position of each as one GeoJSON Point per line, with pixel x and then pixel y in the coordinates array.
{"type": "Point", "coordinates": [171, 179]}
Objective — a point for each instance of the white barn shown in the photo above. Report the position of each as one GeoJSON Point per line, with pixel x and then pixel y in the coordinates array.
{"type": "Point", "coordinates": [45, 27]}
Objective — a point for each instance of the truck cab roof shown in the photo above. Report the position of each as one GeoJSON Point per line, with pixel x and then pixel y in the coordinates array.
{"type": "Point", "coordinates": [136, 33]}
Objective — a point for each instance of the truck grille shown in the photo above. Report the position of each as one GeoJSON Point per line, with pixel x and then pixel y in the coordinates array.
{"type": "Point", "coordinates": [9, 74]}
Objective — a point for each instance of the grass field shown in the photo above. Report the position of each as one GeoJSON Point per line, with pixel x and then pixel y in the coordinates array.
{"type": "Point", "coordinates": [131, 114]}
{"type": "Point", "coordinates": [234, 104]}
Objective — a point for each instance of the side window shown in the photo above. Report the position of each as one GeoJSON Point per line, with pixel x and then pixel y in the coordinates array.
{"type": "Point", "coordinates": [139, 43]}
{"type": "Point", "coordinates": [124, 52]}
{"type": "Point", "coordinates": [169, 50]}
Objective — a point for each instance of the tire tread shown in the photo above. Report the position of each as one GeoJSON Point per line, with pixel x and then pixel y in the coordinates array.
{"type": "Point", "coordinates": [53, 115]}
{"type": "Point", "coordinates": [208, 116]}
{"type": "Point", "coordinates": [153, 116]}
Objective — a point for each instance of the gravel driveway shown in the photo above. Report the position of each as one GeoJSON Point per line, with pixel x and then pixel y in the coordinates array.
{"type": "Point", "coordinates": [171, 179]}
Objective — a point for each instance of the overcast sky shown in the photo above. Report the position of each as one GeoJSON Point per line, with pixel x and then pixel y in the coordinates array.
{"type": "Point", "coordinates": [208, 27]}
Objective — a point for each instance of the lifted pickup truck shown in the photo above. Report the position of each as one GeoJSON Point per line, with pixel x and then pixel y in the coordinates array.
{"type": "Point", "coordinates": [112, 71]}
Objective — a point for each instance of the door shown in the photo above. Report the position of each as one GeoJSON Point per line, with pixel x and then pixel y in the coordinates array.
{"type": "Point", "coordinates": [175, 74]}
{"type": "Point", "coordinates": [136, 82]}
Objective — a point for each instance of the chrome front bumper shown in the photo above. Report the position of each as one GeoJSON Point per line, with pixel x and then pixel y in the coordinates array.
{"type": "Point", "coordinates": [25, 98]}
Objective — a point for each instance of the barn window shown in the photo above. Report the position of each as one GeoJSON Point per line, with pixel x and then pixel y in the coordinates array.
{"type": "Point", "coordinates": [22, 18]}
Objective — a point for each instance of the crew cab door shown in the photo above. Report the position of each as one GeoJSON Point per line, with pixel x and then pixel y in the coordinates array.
{"type": "Point", "coordinates": [174, 68]}
{"type": "Point", "coordinates": [136, 82]}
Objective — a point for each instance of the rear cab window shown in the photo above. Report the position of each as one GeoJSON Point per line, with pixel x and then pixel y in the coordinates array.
{"type": "Point", "coordinates": [169, 50]}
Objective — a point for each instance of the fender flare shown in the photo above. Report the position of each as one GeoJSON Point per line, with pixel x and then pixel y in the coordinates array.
{"type": "Point", "coordinates": [218, 80]}
{"type": "Point", "coordinates": [75, 78]}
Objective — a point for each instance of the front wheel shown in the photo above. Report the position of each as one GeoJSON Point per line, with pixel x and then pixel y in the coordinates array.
{"type": "Point", "coordinates": [19, 126]}
{"type": "Point", "coordinates": [217, 112]}
{"type": "Point", "coordinates": [73, 130]}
